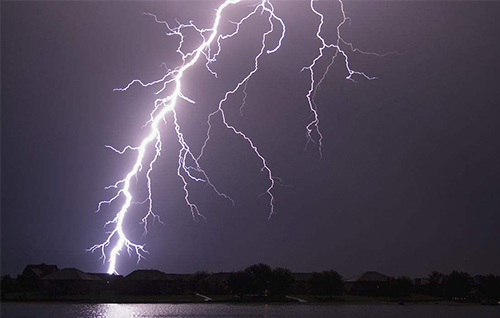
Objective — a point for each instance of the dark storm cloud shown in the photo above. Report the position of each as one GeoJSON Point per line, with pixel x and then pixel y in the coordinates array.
{"type": "Point", "coordinates": [408, 182]}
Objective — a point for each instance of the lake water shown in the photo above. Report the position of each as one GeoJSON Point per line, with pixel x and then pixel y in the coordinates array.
{"type": "Point", "coordinates": [65, 310]}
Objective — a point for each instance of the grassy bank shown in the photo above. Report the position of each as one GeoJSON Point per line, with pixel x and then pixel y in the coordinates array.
{"type": "Point", "coordinates": [413, 298]}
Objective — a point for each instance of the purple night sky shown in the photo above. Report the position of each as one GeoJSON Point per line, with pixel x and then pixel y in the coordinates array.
{"type": "Point", "coordinates": [409, 178]}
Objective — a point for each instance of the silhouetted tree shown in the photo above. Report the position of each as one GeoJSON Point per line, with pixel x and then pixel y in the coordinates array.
{"type": "Point", "coordinates": [457, 285]}
{"type": "Point", "coordinates": [261, 279]}
{"type": "Point", "coordinates": [8, 285]}
{"type": "Point", "coordinates": [260, 276]}
{"type": "Point", "coordinates": [326, 283]}
{"type": "Point", "coordinates": [198, 281]}
{"type": "Point", "coordinates": [314, 284]}
{"type": "Point", "coordinates": [490, 287]}
{"type": "Point", "coordinates": [435, 285]}
{"type": "Point", "coordinates": [239, 283]}
{"type": "Point", "coordinates": [402, 286]}
{"type": "Point", "coordinates": [24, 284]}
{"type": "Point", "coordinates": [282, 281]}
{"type": "Point", "coordinates": [215, 286]}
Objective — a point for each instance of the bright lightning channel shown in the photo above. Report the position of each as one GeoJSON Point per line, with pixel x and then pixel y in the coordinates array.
{"type": "Point", "coordinates": [208, 50]}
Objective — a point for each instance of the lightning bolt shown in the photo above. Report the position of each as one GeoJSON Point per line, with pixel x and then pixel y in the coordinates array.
{"type": "Point", "coordinates": [189, 168]}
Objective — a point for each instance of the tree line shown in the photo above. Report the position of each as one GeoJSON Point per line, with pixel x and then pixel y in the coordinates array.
{"type": "Point", "coordinates": [460, 285]}
{"type": "Point", "coordinates": [261, 280]}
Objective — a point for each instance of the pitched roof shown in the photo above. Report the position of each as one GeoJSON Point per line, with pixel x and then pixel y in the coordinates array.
{"type": "Point", "coordinates": [70, 274]}
{"type": "Point", "coordinates": [38, 272]}
{"type": "Point", "coordinates": [41, 270]}
{"type": "Point", "coordinates": [368, 277]}
{"type": "Point", "coordinates": [148, 274]}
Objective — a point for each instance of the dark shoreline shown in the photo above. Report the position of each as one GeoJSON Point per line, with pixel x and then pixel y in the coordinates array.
{"type": "Point", "coordinates": [191, 299]}
{"type": "Point", "coordinates": [381, 303]}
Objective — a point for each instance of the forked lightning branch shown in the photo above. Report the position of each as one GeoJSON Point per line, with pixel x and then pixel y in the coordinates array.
{"type": "Point", "coordinates": [211, 43]}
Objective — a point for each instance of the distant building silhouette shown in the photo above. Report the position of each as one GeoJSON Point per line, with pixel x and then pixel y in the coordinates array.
{"type": "Point", "coordinates": [38, 271]}
{"type": "Point", "coordinates": [30, 278]}
{"type": "Point", "coordinates": [110, 282]}
{"type": "Point", "coordinates": [39, 280]}
{"type": "Point", "coordinates": [367, 283]}
{"type": "Point", "coordinates": [71, 281]}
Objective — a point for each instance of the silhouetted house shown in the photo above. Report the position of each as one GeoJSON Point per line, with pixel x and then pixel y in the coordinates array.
{"type": "Point", "coordinates": [110, 282]}
{"type": "Point", "coordinates": [71, 281]}
{"type": "Point", "coordinates": [300, 285]}
{"type": "Point", "coordinates": [38, 271]}
{"type": "Point", "coordinates": [149, 282]}
{"type": "Point", "coordinates": [30, 278]}
{"type": "Point", "coordinates": [367, 283]}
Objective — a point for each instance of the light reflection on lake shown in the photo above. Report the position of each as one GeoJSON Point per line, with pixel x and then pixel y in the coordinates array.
{"type": "Point", "coordinates": [67, 310]}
